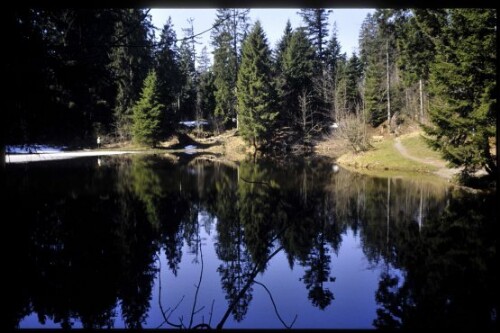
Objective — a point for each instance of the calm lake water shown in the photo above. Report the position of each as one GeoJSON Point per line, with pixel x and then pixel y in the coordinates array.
{"type": "Point", "coordinates": [146, 241]}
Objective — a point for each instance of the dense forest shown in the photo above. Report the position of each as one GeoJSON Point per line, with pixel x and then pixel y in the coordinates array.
{"type": "Point", "coordinates": [76, 74]}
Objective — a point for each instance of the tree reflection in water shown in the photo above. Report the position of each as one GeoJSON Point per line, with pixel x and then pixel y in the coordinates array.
{"type": "Point", "coordinates": [86, 240]}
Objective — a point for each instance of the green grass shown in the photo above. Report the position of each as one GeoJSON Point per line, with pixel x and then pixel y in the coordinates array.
{"type": "Point", "coordinates": [385, 157]}
{"type": "Point", "coordinates": [416, 146]}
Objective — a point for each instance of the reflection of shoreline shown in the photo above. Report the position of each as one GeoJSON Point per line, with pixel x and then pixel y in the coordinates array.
{"type": "Point", "coordinates": [135, 205]}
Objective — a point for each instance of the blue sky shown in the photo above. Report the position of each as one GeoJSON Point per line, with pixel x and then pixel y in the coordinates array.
{"type": "Point", "coordinates": [273, 21]}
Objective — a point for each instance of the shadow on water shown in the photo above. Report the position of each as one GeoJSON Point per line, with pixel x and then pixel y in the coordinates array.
{"type": "Point", "coordinates": [90, 243]}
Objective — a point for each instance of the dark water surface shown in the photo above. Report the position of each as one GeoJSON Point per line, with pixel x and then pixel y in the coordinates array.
{"type": "Point", "coordinates": [144, 241]}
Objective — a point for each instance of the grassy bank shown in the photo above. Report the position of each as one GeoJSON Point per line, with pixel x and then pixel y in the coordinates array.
{"type": "Point", "coordinates": [384, 156]}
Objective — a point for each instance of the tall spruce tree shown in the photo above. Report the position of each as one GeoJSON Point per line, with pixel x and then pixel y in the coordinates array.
{"type": "Point", "coordinates": [416, 50]}
{"type": "Point", "coordinates": [147, 113]}
{"type": "Point", "coordinates": [169, 75]}
{"type": "Point", "coordinates": [230, 30]}
{"type": "Point", "coordinates": [256, 96]}
{"type": "Point", "coordinates": [225, 78]}
{"type": "Point", "coordinates": [206, 98]}
{"type": "Point", "coordinates": [131, 59]}
{"type": "Point", "coordinates": [189, 78]}
{"type": "Point", "coordinates": [298, 71]}
{"type": "Point", "coordinates": [332, 63]}
{"type": "Point", "coordinates": [279, 74]}
{"type": "Point", "coordinates": [316, 20]}
{"type": "Point", "coordinates": [316, 25]}
{"type": "Point", "coordinates": [463, 84]}
{"type": "Point", "coordinates": [354, 72]}
{"type": "Point", "coordinates": [372, 54]}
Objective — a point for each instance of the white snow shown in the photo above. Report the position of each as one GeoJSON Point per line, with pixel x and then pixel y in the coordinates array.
{"type": "Point", "coordinates": [23, 158]}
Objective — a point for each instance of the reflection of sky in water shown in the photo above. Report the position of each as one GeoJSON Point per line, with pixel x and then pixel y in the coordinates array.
{"type": "Point", "coordinates": [354, 291]}
{"type": "Point", "coordinates": [357, 276]}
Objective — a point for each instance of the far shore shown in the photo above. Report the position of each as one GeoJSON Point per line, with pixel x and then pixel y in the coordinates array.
{"type": "Point", "coordinates": [24, 158]}
{"type": "Point", "coordinates": [405, 155]}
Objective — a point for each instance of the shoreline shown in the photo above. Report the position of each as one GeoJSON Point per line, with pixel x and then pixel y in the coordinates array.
{"type": "Point", "coordinates": [41, 157]}
{"type": "Point", "coordinates": [230, 147]}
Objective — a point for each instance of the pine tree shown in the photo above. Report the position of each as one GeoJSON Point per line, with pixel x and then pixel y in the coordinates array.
{"type": "Point", "coordinates": [130, 64]}
{"type": "Point", "coordinates": [230, 30]}
{"type": "Point", "coordinates": [354, 73]}
{"type": "Point", "coordinates": [279, 74]}
{"type": "Point", "coordinates": [331, 64]}
{"type": "Point", "coordinates": [298, 70]}
{"type": "Point", "coordinates": [332, 52]}
{"type": "Point", "coordinates": [255, 90]}
{"type": "Point", "coordinates": [206, 88]}
{"type": "Point", "coordinates": [189, 78]}
{"type": "Point", "coordinates": [147, 113]}
{"type": "Point", "coordinates": [169, 75]}
{"type": "Point", "coordinates": [372, 59]}
{"type": "Point", "coordinates": [282, 46]}
{"type": "Point", "coordinates": [225, 78]}
{"type": "Point", "coordinates": [463, 82]}
{"type": "Point", "coordinates": [316, 20]}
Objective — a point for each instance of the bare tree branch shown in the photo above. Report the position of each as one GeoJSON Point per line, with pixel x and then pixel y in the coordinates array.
{"type": "Point", "coordinates": [275, 308]}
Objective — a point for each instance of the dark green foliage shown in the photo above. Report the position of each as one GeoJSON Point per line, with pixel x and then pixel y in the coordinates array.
{"type": "Point", "coordinates": [354, 72]}
{"type": "Point", "coordinates": [225, 78]}
{"type": "Point", "coordinates": [189, 78]}
{"type": "Point", "coordinates": [169, 75]}
{"type": "Point", "coordinates": [463, 82]}
{"type": "Point", "coordinates": [56, 67]}
{"type": "Point", "coordinates": [332, 52]}
{"type": "Point", "coordinates": [147, 113]}
{"type": "Point", "coordinates": [375, 93]}
{"type": "Point", "coordinates": [415, 48]}
{"type": "Point", "coordinates": [279, 74]}
{"type": "Point", "coordinates": [75, 65]}
{"type": "Point", "coordinates": [227, 39]}
{"type": "Point", "coordinates": [256, 96]}
{"type": "Point", "coordinates": [281, 47]}
{"type": "Point", "coordinates": [316, 20]}
{"type": "Point", "coordinates": [374, 71]}
{"type": "Point", "coordinates": [206, 89]}
{"type": "Point", "coordinates": [129, 64]}
{"type": "Point", "coordinates": [298, 72]}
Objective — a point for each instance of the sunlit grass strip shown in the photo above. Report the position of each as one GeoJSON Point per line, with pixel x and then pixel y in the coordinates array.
{"type": "Point", "coordinates": [416, 146]}
{"type": "Point", "coordinates": [385, 157]}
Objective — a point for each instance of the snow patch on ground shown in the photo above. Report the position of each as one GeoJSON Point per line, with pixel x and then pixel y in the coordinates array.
{"type": "Point", "coordinates": [39, 157]}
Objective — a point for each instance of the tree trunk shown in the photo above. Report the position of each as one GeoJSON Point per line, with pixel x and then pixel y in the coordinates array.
{"type": "Point", "coordinates": [388, 88]}
{"type": "Point", "coordinates": [421, 100]}
{"type": "Point", "coordinates": [2, 156]}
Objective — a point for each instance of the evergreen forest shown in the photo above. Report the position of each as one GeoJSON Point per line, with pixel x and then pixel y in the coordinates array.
{"type": "Point", "coordinates": [75, 74]}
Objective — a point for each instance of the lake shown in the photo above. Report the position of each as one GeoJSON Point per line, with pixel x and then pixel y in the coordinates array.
{"type": "Point", "coordinates": [160, 242]}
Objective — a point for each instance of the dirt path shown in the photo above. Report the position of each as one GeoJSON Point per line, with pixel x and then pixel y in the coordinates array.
{"type": "Point", "coordinates": [442, 171]}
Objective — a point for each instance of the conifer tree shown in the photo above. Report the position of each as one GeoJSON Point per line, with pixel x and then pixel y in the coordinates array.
{"type": "Point", "coordinates": [147, 113]}
{"type": "Point", "coordinates": [130, 65]}
{"type": "Point", "coordinates": [354, 73]}
{"type": "Point", "coordinates": [463, 82]}
{"type": "Point", "coordinates": [168, 74]}
{"type": "Point", "coordinates": [255, 89]}
{"type": "Point", "coordinates": [279, 74]}
{"type": "Point", "coordinates": [230, 30]}
{"type": "Point", "coordinates": [298, 70]}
